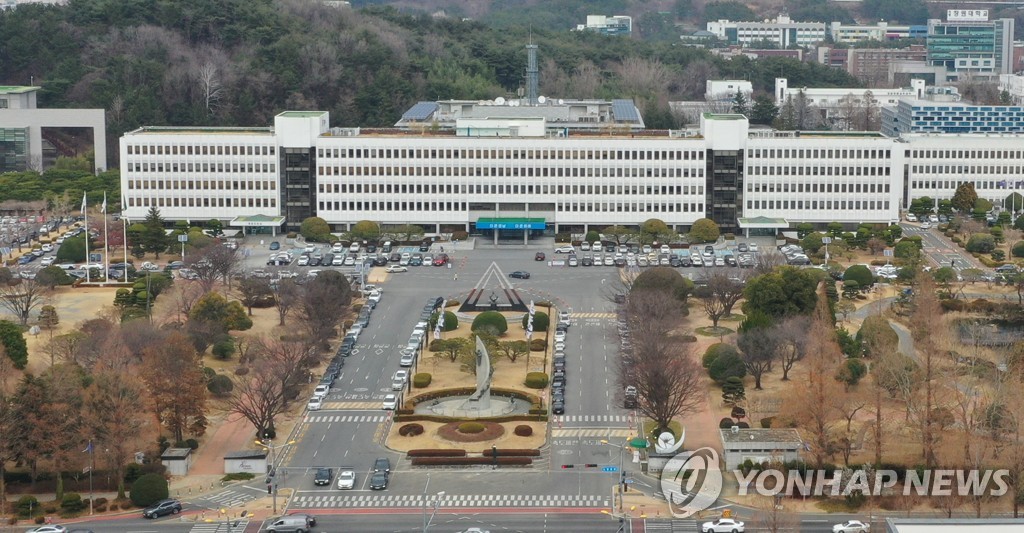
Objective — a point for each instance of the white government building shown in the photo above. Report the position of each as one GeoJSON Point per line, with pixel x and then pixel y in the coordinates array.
{"type": "Point", "coordinates": [521, 173]}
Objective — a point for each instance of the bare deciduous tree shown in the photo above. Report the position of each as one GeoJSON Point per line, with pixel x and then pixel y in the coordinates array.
{"type": "Point", "coordinates": [720, 294]}
{"type": "Point", "coordinates": [114, 418]}
{"type": "Point", "coordinates": [926, 328]}
{"type": "Point", "coordinates": [792, 335]}
{"type": "Point", "coordinates": [251, 290]}
{"type": "Point", "coordinates": [24, 297]}
{"type": "Point", "coordinates": [274, 380]}
{"type": "Point", "coordinates": [286, 297]}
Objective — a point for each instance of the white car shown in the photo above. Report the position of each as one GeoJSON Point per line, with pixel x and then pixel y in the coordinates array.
{"type": "Point", "coordinates": [851, 526]}
{"type": "Point", "coordinates": [585, 246]}
{"type": "Point", "coordinates": [752, 246]}
{"type": "Point", "coordinates": [350, 261]}
{"type": "Point", "coordinates": [374, 297]}
{"type": "Point", "coordinates": [398, 379]}
{"type": "Point", "coordinates": [46, 261]}
{"type": "Point", "coordinates": [390, 402]}
{"type": "Point", "coordinates": [310, 248]}
{"type": "Point", "coordinates": [151, 267]}
{"type": "Point", "coordinates": [49, 529]}
{"type": "Point", "coordinates": [565, 250]}
{"type": "Point", "coordinates": [911, 217]}
{"type": "Point", "coordinates": [47, 248]}
{"type": "Point", "coordinates": [346, 479]}
{"type": "Point", "coordinates": [396, 268]}
{"type": "Point", "coordinates": [321, 390]}
{"type": "Point", "coordinates": [315, 403]}
{"type": "Point", "coordinates": [407, 359]}
{"type": "Point", "coordinates": [560, 336]}
{"type": "Point", "coordinates": [722, 525]}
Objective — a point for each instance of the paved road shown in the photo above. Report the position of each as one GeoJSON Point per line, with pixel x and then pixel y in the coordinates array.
{"type": "Point", "coordinates": [939, 250]}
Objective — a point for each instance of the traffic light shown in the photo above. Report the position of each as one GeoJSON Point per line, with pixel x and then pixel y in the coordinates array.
{"type": "Point", "coordinates": [591, 465]}
{"type": "Point", "coordinates": [568, 466]}
{"type": "Point", "coordinates": [270, 488]}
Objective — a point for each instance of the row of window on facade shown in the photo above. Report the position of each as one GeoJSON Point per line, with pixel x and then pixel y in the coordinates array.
{"type": "Point", "coordinates": [526, 154]}
{"type": "Point", "coordinates": [979, 185]}
{"type": "Point", "coordinates": [962, 169]}
{"type": "Point", "coordinates": [819, 204]}
{"type": "Point", "coordinates": [845, 170]}
{"type": "Point", "coordinates": [201, 202]}
{"type": "Point", "coordinates": [967, 154]}
{"type": "Point", "coordinates": [199, 149]}
{"type": "Point", "coordinates": [515, 172]}
{"type": "Point", "coordinates": [565, 207]}
{"type": "Point", "coordinates": [819, 187]}
{"type": "Point", "coordinates": [437, 188]}
{"type": "Point", "coordinates": [214, 185]}
{"type": "Point", "coordinates": [819, 153]}
{"type": "Point", "coordinates": [201, 167]}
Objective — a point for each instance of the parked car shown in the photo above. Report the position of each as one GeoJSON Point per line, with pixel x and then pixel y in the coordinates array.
{"type": "Point", "coordinates": [390, 402]}
{"type": "Point", "coordinates": [396, 268]}
{"type": "Point", "coordinates": [275, 245]}
{"type": "Point", "coordinates": [52, 528]}
{"type": "Point", "coordinates": [382, 464]}
{"type": "Point", "coordinates": [851, 526]}
{"type": "Point", "coordinates": [161, 508]}
{"type": "Point", "coordinates": [315, 403]}
{"type": "Point", "coordinates": [567, 249]}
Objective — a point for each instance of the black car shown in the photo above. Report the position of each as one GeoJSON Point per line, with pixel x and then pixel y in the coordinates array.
{"type": "Point", "coordinates": [558, 408]}
{"type": "Point", "coordinates": [539, 256]}
{"type": "Point", "coordinates": [380, 260]}
{"type": "Point", "coordinates": [558, 382]}
{"type": "Point", "coordinates": [161, 508]}
{"type": "Point", "coordinates": [328, 260]}
{"type": "Point", "coordinates": [674, 261]}
{"type": "Point", "coordinates": [379, 481]}
{"type": "Point", "coordinates": [425, 246]}
{"type": "Point", "coordinates": [395, 257]}
{"type": "Point", "coordinates": [685, 261]}
{"type": "Point", "coordinates": [323, 476]}
{"type": "Point", "coordinates": [730, 260]}
{"type": "Point", "coordinates": [382, 464]}
{"type": "Point", "coordinates": [520, 274]}
{"type": "Point", "coordinates": [587, 261]}
{"type": "Point", "coordinates": [371, 248]}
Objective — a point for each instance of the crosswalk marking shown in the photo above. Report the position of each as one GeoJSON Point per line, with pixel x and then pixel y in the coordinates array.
{"type": "Point", "coordinates": [220, 526]}
{"type": "Point", "coordinates": [350, 406]}
{"type": "Point", "coordinates": [592, 432]}
{"type": "Point", "coordinates": [448, 501]}
{"type": "Point", "coordinates": [345, 418]}
{"type": "Point", "coordinates": [230, 498]}
{"type": "Point", "coordinates": [570, 419]}
{"type": "Point", "coordinates": [673, 526]}
{"type": "Point", "coordinates": [592, 315]}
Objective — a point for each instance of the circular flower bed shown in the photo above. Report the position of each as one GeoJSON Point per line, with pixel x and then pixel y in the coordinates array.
{"type": "Point", "coordinates": [410, 430]}
{"type": "Point", "coordinates": [491, 431]}
{"type": "Point", "coordinates": [523, 430]}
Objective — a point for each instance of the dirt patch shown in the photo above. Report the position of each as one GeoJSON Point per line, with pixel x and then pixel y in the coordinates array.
{"type": "Point", "coordinates": [453, 431]}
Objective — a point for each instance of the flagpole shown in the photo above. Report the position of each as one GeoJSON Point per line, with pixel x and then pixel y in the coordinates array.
{"type": "Point", "coordinates": [92, 466]}
{"type": "Point", "coordinates": [85, 218]}
{"type": "Point", "coordinates": [124, 242]}
{"type": "Point", "coordinates": [106, 245]}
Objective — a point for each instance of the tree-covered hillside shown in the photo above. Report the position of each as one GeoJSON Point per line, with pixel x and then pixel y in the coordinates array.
{"type": "Point", "coordinates": [239, 62]}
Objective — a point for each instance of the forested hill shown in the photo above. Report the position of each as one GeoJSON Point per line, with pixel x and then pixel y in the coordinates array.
{"type": "Point", "coordinates": [239, 62]}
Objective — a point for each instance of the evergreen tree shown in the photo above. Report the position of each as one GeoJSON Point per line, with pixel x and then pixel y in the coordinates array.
{"type": "Point", "coordinates": [154, 238]}
{"type": "Point", "coordinates": [740, 105]}
{"type": "Point", "coordinates": [965, 197]}
{"type": "Point", "coordinates": [786, 118]}
{"type": "Point", "coordinates": [764, 110]}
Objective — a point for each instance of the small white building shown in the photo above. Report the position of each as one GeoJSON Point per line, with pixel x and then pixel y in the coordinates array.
{"type": "Point", "coordinates": [1014, 85]}
{"type": "Point", "coordinates": [759, 446]}
{"type": "Point", "coordinates": [177, 460]}
{"type": "Point", "coordinates": [725, 90]}
{"type": "Point", "coordinates": [781, 31]}
{"type": "Point", "coordinates": [251, 461]}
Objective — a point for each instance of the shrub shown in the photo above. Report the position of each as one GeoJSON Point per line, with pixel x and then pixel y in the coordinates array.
{"type": "Point", "coordinates": [241, 371]}
{"type": "Point", "coordinates": [437, 453]}
{"type": "Point", "coordinates": [523, 430]}
{"type": "Point", "coordinates": [537, 345]}
{"type": "Point", "coordinates": [716, 350]}
{"type": "Point", "coordinates": [459, 235]}
{"type": "Point", "coordinates": [451, 461]}
{"type": "Point", "coordinates": [981, 243]}
{"type": "Point", "coordinates": [192, 444]}
{"type": "Point", "coordinates": [536, 380]}
{"type": "Point", "coordinates": [511, 452]}
{"type": "Point", "coordinates": [726, 423]}
{"type": "Point", "coordinates": [148, 489]}
{"type": "Point", "coordinates": [851, 372]}
{"type": "Point", "coordinates": [39, 520]}
{"type": "Point", "coordinates": [238, 476]}
{"type": "Point", "coordinates": [861, 274]}
{"type": "Point", "coordinates": [726, 366]}
{"type": "Point", "coordinates": [1018, 249]}
{"type": "Point", "coordinates": [704, 230]}
{"type": "Point", "coordinates": [410, 430]}
{"type": "Point", "coordinates": [471, 427]}
{"type": "Point", "coordinates": [491, 322]}
{"type": "Point", "coordinates": [71, 503]}
{"type": "Point", "coordinates": [26, 504]}
{"type": "Point", "coordinates": [422, 380]}
{"type": "Point", "coordinates": [766, 422]}
{"type": "Point", "coordinates": [687, 338]}
{"type": "Point", "coordinates": [742, 425]}
{"type": "Point", "coordinates": [224, 349]}
{"type": "Point", "coordinates": [541, 321]}
{"type": "Point", "coordinates": [450, 322]}
{"type": "Point", "coordinates": [220, 385]}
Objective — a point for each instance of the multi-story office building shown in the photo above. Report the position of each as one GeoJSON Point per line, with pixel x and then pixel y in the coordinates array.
{"type": "Point", "coordinates": [923, 116]}
{"type": "Point", "coordinates": [881, 31]}
{"type": "Point", "coordinates": [971, 44]}
{"type": "Point", "coordinates": [870, 65]}
{"type": "Point", "coordinates": [24, 140]}
{"type": "Point", "coordinates": [726, 90]}
{"type": "Point", "coordinates": [782, 31]}
{"type": "Point", "coordinates": [746, 180]}
{"type": "Point", "coordinates": [617, 25]}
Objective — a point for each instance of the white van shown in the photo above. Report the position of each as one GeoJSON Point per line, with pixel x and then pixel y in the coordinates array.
{"type": "Point", "coordinates": [353, 248]}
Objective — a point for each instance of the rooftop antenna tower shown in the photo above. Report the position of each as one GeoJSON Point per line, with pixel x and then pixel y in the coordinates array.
{"type": "Point", "coordinates": [531, 72]}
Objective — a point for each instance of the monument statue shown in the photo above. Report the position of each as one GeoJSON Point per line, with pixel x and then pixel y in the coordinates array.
{"type": "Point", "coordinates": [480, 400]}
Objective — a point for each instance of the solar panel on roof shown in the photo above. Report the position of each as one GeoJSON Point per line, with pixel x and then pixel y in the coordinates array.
{"type": "Point", "coordinates": [420, 111]}
{"type": "Point", "coordinates": [624, 111]}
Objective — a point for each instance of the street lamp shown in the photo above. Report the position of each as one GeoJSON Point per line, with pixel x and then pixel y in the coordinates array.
{"type": "Point", "coordinates": [271, 478]}
{"type": "Point", "coordinates": [622, 475]}
{"type": "Point", "coordinates": [437, 503]}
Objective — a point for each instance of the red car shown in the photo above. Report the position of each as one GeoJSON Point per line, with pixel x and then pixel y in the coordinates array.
{"type": "Point", "coordinates": [539, 257]}
{"type": "Point", "coordinates": [441, 260]}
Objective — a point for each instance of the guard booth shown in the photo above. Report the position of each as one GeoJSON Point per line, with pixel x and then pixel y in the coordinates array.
{"type": "Point", "coordinates": [258, 224]}
{"type": "Point", "coordinates": [251, 461]}
{"type": "Point", "coordinates": [508, 228]}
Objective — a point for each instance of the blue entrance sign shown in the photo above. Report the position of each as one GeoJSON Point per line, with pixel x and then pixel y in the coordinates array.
{"type": "Point", "coordinates": [511, 224]}
{"type": "Point", "coordinates": [610, 469]}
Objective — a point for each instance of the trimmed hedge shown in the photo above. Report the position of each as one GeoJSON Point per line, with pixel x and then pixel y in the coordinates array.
{"type": "Point", "coordinates": [523, 430]}
{"type": "Point", "coordinates": [537, 345]}
{"type": "Point", "coordinates": [451, 322]}
{"type": "Point", "coordinates": [469, 461]}
{"type": "Point", "coordinates": [541, 321]}
{"type": "Point", "coordinates": [422, 380]}
{"type": "Point", "coordinates": [456, 391]}
{"type": "Point", "coordinates": [490, 320]}
{"type": "Point", "coordinates": [471, 427]}
{"type": "Point", "coordinates": [410, 430]}
{"type": "Point", "coordinates": [535, 415]}
{"type": "Point", "coordinates": [536, 380]}
{"type": "Point", "coordinates": [436, 453]}
{"type": "Point", "coordinates": [511, 452]}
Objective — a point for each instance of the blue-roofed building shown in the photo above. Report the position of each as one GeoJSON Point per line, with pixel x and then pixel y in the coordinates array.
{"type": "Point", "coordinates": [925, 116]}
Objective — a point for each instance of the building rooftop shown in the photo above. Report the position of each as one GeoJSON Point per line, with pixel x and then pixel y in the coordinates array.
{"type": "Point", "coordinates": [246, 454]}
{"type": "Point", "coordinates": [724, 116]}
{"type": "Point", "coordinates": [17, 89]}
{"type": "Point", "coordinates": [559, 113]}
{"type": "Point", "coordinates": [176, 453]}
{"type": "Point", "coordinates": [191, 130]}
{"type": "Point", "coordinates": [761, 435]}
{"type": "Point", "coordinates": [941, 525]}
{"type": "Point", "coordinates": [301, 114]}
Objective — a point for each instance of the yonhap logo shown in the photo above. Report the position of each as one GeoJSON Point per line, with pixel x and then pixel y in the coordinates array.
{"type": "Point", "coordinates": [691, 482]}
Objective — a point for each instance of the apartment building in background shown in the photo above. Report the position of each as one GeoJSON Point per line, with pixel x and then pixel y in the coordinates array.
{"type": "Point", "coordinates": [781, 31]}
{"type": "Point", "coordinates": [608, 25]}
{"type": "Point", "coordinates": [968, 44]}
